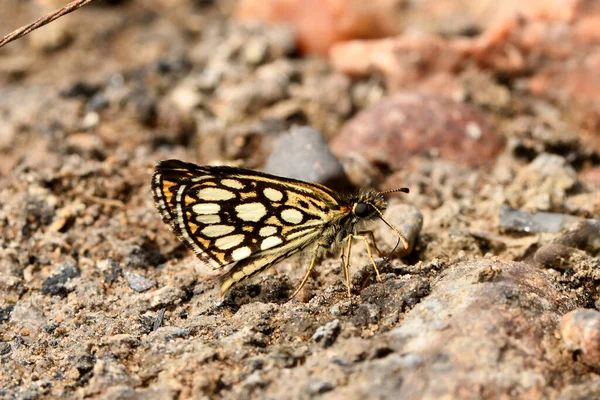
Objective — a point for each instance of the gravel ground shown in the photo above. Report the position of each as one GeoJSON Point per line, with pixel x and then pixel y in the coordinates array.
{"type": "Point", "coordinates": [494, 126]}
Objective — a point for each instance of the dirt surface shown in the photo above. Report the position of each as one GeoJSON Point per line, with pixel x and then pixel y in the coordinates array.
{"type": "Point", "coordinates": [98, 299]}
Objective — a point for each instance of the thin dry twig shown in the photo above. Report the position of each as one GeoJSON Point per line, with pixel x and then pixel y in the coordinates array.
{"type": "Point", "coordinates": [46, 19]}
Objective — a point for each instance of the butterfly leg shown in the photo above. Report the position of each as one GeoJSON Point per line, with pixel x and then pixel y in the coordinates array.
{"type": "Point", "coordinates": [370, 254]}
{"type": "Point", "coordinates": [346, 264]}
{"type": "Point", "coordinates": [373, 242]}
{"type": "Point", "coordinates": [310, 268]}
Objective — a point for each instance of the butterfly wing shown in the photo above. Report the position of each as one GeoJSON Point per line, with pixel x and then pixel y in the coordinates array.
{"type": "Point", "coordinates": [240, 219]}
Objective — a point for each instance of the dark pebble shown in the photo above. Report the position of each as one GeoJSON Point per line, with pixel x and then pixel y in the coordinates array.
{"type": "Point", "coordinates": [50, 328]}
{"type": "Point", "coordinates": [317, 386]}
{"type": "Point", "coordinates": [5, 313]}
{"type": "Point", "coordinates": [80, 89]}
{"type": "Point", "coordinates": [4, 348]}
{"type": "Point", "coordinates": [114, 271]}
{"type": "Point", "coordinates": [55, 285]}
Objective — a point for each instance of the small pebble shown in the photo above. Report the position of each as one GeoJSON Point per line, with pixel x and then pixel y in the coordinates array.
{"type": "Point", "coordinates": [5, 313]}
{"type": "Point", "coordinates": [328, 333]}
{"type": "Point", "coordinates": [159, 319]}
{"type": "Point", "coordinates": [580, 331]}
{"type": "Point", "coordinates": [319, 386]}
{"type": "Point", "coordinates": [167, 333]}
{"type": "Point", "coordinates": [303, 153]}
{"type": "Point", "coordinates": [340, 309]}
{"type": "Point", "coordinates": [489, 274]}
{"type": "Point", "coordinates": [408, 220]}
{"type": "Point", "coordinates": [555, 255]}
{"type": "Point", "coordinates": [256, 51]}
{"type": "Point", "coordinates": [138, 282]}
{"type": "Point", "coordinates": [584, 235]}
{"type": "Point", "coordinates": [4, 348]}
{"type": "Point", "coordinates": [165, 296]}
{"type": "Point", "coordinates": [525, 221]}
{"type": "Point", "coordinates": [407, 124]}
{"type": "Point", "coordinates": [90, 120]}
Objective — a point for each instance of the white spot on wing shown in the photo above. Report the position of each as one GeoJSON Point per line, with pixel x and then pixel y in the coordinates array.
{"type": "Point", "coordinates": [208, 219]}
{"type": "Point", "coordinates": [206, 208]}
{"type": "Point", "coordinates": [228, 242]}
{"type": "Point", "coordinates": [241, 253]}
{"type": "Point", "coordinates": [267, 230]}
{"type": "Point", "coordinates": [232, 183]}
{"type": "Point", "coordinates": [273, 194]}
{"type": "Point", "coordinates": [291, 215]}
{"type": "Point", "coordinates": [270, 242]}
{"type": "Point", "coordinates": [212, 194]}
{"type": "Point", "coordinates": [251, 211]}
{"type": "Point", "coordinates": [217, 230]}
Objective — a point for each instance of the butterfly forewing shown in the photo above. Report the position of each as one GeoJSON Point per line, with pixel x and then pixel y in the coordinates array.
{"type": "Point", "coordinates": [240, 219]}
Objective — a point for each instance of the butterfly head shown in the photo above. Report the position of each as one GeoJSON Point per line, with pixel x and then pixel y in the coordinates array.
{"type": "Point", "coordinates": [371, 204]}
{"type": "Point", "coordinates": [368, 205]}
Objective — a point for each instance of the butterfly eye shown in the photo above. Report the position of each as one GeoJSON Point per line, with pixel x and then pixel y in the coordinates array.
{"type": "Point", "coordinates": [361, 210]}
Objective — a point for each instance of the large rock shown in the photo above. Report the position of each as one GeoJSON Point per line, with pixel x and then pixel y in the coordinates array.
{"type": "Point", "coordinates": [467, 340]}
{"type": "Point", "coordinates": [407, 124]}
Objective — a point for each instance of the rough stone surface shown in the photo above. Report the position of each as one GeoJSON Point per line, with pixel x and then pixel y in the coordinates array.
{"type": "Point", "coordinates": [543, 185]}
{"type": "Point", "coordinates": [580, 332]}
{"type": "Point", "coordinates": [408, 124]}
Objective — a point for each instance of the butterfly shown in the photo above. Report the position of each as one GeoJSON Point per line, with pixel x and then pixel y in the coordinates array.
{"type": "Point", "coordinates": [243, 221]}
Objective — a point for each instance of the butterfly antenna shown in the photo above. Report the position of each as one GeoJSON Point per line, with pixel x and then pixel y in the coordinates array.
{"type": "Point", "coordinates": [403, 190]}
{"type": "Point", "coordinates": [394, 249]}
{"type": "Point", "coordinates": [401, 236]}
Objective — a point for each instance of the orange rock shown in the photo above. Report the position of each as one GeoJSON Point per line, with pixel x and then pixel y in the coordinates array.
{"type": "Point", "coordinates": [320, 23]}
{"type": "Point", "coordinates": [588, 29]}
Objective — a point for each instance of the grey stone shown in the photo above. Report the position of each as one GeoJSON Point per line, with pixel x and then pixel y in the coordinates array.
{"type": "Point", "coordinates": [328, 333]}
{"type": "Point", "coordinates": [408, 219]}
{"type": "Point", "coordinates": [138, 282]}
{"type": "Point", "coordinates": [303, 153]}
{"type": "Point", "coordinates": [525, 221]}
